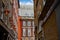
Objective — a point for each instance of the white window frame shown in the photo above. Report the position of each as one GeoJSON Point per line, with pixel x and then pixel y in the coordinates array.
{"type": "Point", "coordinates": [29, 23]}
{"type": "Point", "coordinates": [29, 32]}
{"type": "Point", "coordinates": [24, 23]}
{"type": "Point", "coordinates": [24, 32]}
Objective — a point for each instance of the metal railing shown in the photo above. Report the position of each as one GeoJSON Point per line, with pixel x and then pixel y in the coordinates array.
{"type": "Point", "coordinates": [5, 19]}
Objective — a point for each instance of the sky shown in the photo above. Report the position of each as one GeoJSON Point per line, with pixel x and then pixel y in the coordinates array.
{"type": "Point", "coordinates": [27, 2]}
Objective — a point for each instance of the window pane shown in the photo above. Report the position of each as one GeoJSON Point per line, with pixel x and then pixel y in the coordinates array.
{"type": "Point", "coordinates": [24, 23]}
{"type": "Point", "coordinates": [29, 32]}
{"type": "Point", "coordinates": [24, 32]}
{"type": "Point", "coordinates": [29, 23]}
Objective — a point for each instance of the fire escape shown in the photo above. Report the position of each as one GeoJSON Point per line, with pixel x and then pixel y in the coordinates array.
{"type": "Point", "coordinates": [6, 33]}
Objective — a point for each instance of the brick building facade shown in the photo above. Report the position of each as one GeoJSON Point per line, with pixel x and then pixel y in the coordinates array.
{"type": "Point", "coordinates": [26, 14]}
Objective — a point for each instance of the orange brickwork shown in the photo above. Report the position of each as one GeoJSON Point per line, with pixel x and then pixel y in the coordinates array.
{"type": "Point", "coordinates": [19, 29]}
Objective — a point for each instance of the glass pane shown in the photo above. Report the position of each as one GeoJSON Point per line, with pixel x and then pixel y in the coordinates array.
{"type": "Point", "coordinates": [24, 32]}
{"type": "Point", "coordinates": [29, 32]}
{"type": "Point", "coordinates": [29, 23]}
{"type": "Point", "coordinates": [24, 23]}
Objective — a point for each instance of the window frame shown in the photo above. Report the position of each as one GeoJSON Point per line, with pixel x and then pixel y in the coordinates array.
{"type": "Point", "coordinates": [23, 33]}
{"type": "Point", "coordinates": [29, 23]}
{"type": "Point", "coordinates": [29, 32]}
{"type": "Point", "coordinates": [24, 24]}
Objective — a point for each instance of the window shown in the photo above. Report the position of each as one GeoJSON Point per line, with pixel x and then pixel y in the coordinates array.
{"type": "Point", "coordinates": [24, 23]}
{"type": "Point", "coordinates": [24, 32]}
{"type": "Point", "coordinates": [29, 23]}
{"type": "Point", "coordinates": [29, 32]}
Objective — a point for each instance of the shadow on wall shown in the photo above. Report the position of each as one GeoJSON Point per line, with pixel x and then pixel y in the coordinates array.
{"type": "Point", "coordinates": [3, 33]}
{"type": "Point", "coordinates": [57, 10]}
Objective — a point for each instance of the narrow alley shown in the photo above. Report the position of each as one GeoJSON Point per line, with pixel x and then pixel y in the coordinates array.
{"type": "Point", "coordinates": [29, 19]}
